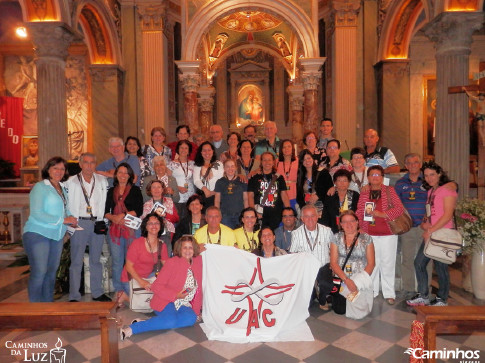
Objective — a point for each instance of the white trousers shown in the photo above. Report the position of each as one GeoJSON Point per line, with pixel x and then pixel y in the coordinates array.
{"type": "Point", "coordinates": [385, 271]}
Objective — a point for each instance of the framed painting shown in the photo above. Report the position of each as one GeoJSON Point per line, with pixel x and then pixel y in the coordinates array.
{"type": "Point", "coordinates": [250, 105]}
{"type": "Point", "coordinates": [30, 151]}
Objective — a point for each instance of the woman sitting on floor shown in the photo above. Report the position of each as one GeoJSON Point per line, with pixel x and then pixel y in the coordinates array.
{"type": "Point", "coordinates": [177, 292]}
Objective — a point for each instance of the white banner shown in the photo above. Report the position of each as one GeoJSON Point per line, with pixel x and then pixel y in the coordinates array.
{"type": "Point", "coordinates": [253, 299]}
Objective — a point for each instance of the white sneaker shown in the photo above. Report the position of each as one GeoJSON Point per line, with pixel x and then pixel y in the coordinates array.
{"type": "Point", "coordinates": [125, 333]}
{"type": "Point", "coordinates": [438, 302]}
{"type": "Point", "coordinates": [418, 300]}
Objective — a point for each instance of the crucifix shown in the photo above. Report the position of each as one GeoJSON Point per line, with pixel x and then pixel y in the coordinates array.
{"type": "Point", "coordinates": [476, 93]}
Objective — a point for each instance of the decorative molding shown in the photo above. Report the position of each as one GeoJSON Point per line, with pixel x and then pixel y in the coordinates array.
{"type": "Point", "coordinates": [396, 69]}
{"type": "Point", "coordinates": [96, 31]}
{"type": "Point", "coordinates": [103, 73]}
{"type": "Point", "coordinates": [452, 32]}
{"type": "Point", "coordinates": [51, 39]}
{"type": "Point", "coordinates": [297, 103]}
{"type": "Point", "coordinates": [152, 17]}
{"type": "Point", "coordinates": [206, 104]}
{"type": "Point", "coordinates": [190, 81]}
{"type": "Point", "coordinates": [345, 12]}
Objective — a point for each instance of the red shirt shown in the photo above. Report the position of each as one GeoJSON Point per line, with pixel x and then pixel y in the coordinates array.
{"type": "Point", "coordinates": [142, 260]}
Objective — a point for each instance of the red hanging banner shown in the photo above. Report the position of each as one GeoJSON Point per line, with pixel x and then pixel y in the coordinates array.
{"type": "Point", "coordinates": [11, 130]}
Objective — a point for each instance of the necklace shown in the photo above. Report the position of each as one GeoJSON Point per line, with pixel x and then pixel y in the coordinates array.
{"type": "Point", "coordinates": [287, 173]}
{"type": "Point", "coordinates": [150, 248]}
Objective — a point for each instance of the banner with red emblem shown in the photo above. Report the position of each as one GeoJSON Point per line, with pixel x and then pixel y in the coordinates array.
{"type": "Point", "coordinates": [253, 299]}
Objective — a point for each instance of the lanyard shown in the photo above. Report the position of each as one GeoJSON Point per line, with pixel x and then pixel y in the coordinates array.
{"type": "Point", "coordinates": [88, 199]}
{"type": "Point", "coordinates": [186, 172]}
{"type": "Point", "coordinates": [209, 239]}
{"type": "Point", "coordinates": [287, 173]}
{"type": "Point", "coordinates": [311, 245]}
{"type": "Point", "coordinates": [61, 194]}
{"type": "Point", "coordinates": [251, 243]}
{"type": "Point", "coordinates": [248, 169]}
{"type": "Point", "coordinates": [274, 148]}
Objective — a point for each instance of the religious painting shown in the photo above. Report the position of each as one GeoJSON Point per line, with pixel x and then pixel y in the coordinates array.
{"type": "Point", "coordinates": [250, 105]}
{"type": "Point", "coordinates": [30, 152]}
{"type": "Point", "coordinates": [430, 120]}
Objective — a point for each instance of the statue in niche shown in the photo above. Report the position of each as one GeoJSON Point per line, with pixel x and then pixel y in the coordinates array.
{"type": "Point", "coordinates": [221, 39]}
{"type": "Point", "coordinates": [282, 44]}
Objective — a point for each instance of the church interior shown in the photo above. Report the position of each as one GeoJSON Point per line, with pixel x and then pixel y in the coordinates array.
{"type": "Point", "coordinates": [88, 70]}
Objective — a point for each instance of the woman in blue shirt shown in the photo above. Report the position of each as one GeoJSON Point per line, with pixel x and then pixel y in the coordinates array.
{"type": "Point", "coordinates": [45, 229]}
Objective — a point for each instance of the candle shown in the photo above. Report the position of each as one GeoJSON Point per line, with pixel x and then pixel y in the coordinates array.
{"type": "Point", "coordinates": [58, 354]}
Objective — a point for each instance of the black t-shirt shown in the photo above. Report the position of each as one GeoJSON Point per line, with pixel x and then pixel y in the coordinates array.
{"type": "Point", "coordinates": [232, 201]}
{"type": "Point", "coordinates": [274, 204]}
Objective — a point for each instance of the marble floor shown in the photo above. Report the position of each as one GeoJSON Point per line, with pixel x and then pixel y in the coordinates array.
{"type": "Point", "coordinates": [381, 337]}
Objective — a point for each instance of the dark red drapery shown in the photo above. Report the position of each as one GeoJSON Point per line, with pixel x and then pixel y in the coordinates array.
{"type": "Point", "coordinates": [11, 130]}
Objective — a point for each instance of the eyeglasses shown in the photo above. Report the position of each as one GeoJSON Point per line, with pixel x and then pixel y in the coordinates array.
{"type": "Point", "coordinates": [357, 157]}
{"type": "Point", "coordinates": [376, 174]}
{"type": "Point", "coordinates": [332, 147]}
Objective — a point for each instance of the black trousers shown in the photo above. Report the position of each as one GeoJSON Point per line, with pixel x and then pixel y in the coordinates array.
{"type": "Point", "coordinates": [325, 283]}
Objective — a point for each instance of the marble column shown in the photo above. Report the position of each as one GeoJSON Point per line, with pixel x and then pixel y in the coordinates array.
{"type": "Point", "coordinates": [51, 41]}
{"type": "Point", "coordinates": [344, 70]}
{"type": "Point", "coordinates": [297, 102]}
{"type": "Point", "coordinates": [311, 77]}
{"type": "Point", "coordinates": [106, 107]}
{"type": "Point", "coordinates": [206, 105]}
{"type": "Point", "coordinates": [452, 35]}
{"type": "Point", "coordinates": [190, 79]}
{"type": "Point", "coordinates": [155, 89]}
{"type": "Point", "coordinates": [394, 105]}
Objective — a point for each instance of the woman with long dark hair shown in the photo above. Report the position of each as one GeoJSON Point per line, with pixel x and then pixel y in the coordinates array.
{"type": "Point", "coordinates": [133, 147]}
{"type": "Point", "coordinates": [440, 208]}
{"type": "Point", "coordinates": [207, 171]}
{"type": "Point", "coordinates": [288, 167]}
{"type": "Point", "coordinates": [247, 235]}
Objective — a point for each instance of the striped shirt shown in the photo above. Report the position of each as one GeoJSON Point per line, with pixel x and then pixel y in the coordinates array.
{"type": "Point", "coordinates": [321, 249]}
{"type": "Point", "coordinates": [413, 197]}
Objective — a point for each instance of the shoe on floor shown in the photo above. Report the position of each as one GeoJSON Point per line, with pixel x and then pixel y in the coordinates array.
{"type": "Point", "coordinates": [103, 298]}
{"type": "Point", "coordinates": [325, 307]}
{"type": "Point", "coordinates": [125, 333]}
{"type": "Point", "coordinates": [438, 302]}
{"type": "Point", "coordinates": [391, 301]}
{"type": "Point", "coordinates": [418, 300]}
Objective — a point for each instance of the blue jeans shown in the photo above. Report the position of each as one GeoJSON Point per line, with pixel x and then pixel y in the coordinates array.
{"type": "Point", "coordinates": [44, 255]}
{"type": "Point", "coordinates": [118, 255]}
{"type": "Point", "coordinates": [168, 318]}
{"type": "Point", "coordinates": [420, 263]}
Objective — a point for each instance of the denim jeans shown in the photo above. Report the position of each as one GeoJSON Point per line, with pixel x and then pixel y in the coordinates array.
{"type": "Point", "coordinates": [118, 255]}
{"type": "Point", "coordinates": [44, 255]}
{"type": "Point", "coordinates": [420, 263]}
{"type": "Point", "coordinates": [230, 220]}
{"type": "Point", "coordinates": [168, 318]}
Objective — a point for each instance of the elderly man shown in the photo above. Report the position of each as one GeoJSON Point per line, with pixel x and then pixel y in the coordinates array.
{"type": "Point", "coordinates": [214, 232]}
{"type": "Point", "coordinates": [325, 134]}
{"type": "Point", "coordinates": [315, 238]}
{"type": "Point", "coordinates": [182, 132]}
{"type": "Point", "coordinates": [271, 143]}
{"type": "Point", "coordinates": [375, 155]}
{"type": "Point", "coordinates": [267, 192]}
{"type": "Point", "coordinates": [107, 167]}
{"type": "Point", "coordinates": [283, 233]}
{"type": "Point", "coordinates": [249, 133]}
{"type": "Point", "coordinates": [87, 197]}
{"type": "Point", "coordinates": [217, 140]}
{"type": "Point", "coordinates": [413, 197]}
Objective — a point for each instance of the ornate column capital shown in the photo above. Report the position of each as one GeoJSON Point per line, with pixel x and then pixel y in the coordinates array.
{"type": "Point", "coordinates": [345, 12]}
{"type": "Point", "coordinates": [189, 76]}
{"type": "Point", "coordinates": [151, 16]}
{"type": "Point", "coordinates": [452, 31]}
{"type": "Point", "coordinates": [311, 74]}
{"type": "Point", "coordinates": [51, 39]}
{"type": "Point", "coordinates": [206, 99]}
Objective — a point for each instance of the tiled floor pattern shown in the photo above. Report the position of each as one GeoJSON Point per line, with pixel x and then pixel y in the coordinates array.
{"type": "Point", "coordinates": [381, 337]}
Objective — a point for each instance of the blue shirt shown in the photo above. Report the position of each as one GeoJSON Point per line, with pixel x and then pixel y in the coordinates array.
{"type": "Point", "coordinates": [47, 211]}
{"type": "Point", "coordinates": [131, 160]}
{"type": "Point", "coordinates": [413, 197]}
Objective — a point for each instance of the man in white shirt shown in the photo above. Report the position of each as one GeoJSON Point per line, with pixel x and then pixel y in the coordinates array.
{"type": "Point", "coordinates": [315, 239]}
{"type": "Point", "coordinates": [87, 197]}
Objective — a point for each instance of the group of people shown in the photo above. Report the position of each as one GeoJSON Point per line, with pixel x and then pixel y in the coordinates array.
{"type": "Point", "coordinates": [264, 189]}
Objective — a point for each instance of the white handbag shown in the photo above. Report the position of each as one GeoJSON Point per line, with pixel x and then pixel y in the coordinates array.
{"type": "Point", "coordinates": [439, 253]}
{"type": "Point", "coordinates": [139, 297]}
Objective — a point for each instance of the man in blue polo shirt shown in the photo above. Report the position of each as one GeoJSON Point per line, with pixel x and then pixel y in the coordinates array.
{"type": "Point", "coordinates": [413, 197]}
{"type": "Point", "coordinates": [117, 149]}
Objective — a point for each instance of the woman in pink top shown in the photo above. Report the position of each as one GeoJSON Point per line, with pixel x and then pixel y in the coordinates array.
{"type": "Point", "coordinates": [440, 208]}
{"type": "Point", "coordinates": [288, 167]}
{"type": "Point", "coordinates": [177, 291]}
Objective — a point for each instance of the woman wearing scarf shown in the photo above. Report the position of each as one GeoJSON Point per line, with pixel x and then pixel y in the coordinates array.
{"type": "Point", "coordinates": [123, 198]}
